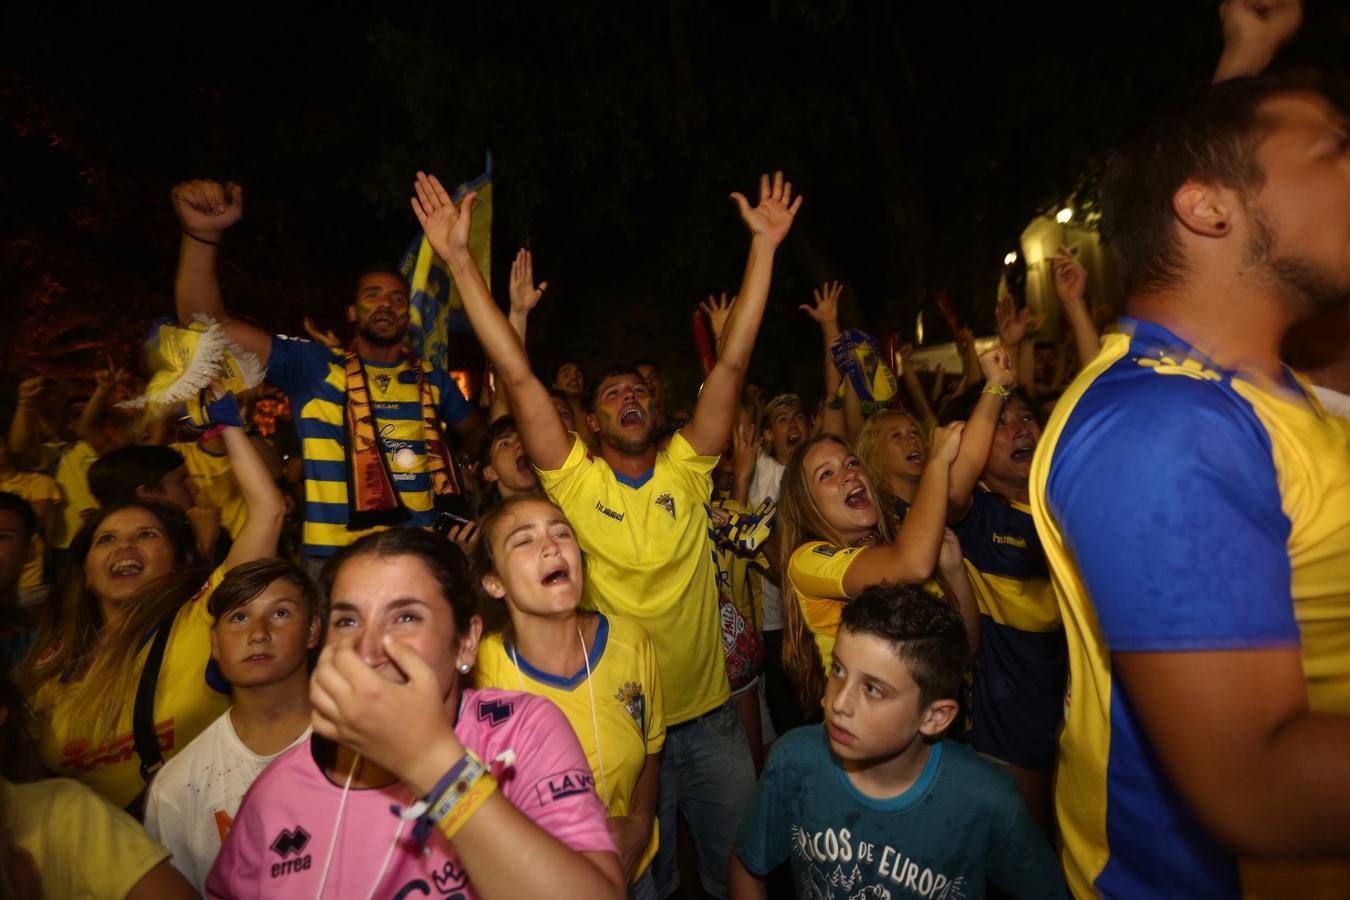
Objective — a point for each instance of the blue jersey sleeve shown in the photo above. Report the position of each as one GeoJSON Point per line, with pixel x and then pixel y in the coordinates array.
{"type": "Point", "coordinates": [453, 408]}
{"type": "Point", "coordinates": [1167, 498]}
{"type": "Point", "coordinates": [294, 365]}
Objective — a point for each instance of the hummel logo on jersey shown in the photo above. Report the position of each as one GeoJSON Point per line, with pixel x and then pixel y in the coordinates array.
{"type": "Point", "coordinates": [606, 511]}
{"type": "Point", "coordinates": [495, 710]}
{"type": "Point", "coordinates": [290, 842]}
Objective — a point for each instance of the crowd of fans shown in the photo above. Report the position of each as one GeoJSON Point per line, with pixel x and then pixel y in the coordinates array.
{"type": "Point", "coordinates": [1074, 623]}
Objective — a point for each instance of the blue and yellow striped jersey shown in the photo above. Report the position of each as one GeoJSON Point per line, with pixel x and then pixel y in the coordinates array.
{"type": "Point", "coordinates": [315, 379]}
{"type": "Point", "coordinates": [1018, 690]}
{"type": "Point", "coordinates": [1183, 507]}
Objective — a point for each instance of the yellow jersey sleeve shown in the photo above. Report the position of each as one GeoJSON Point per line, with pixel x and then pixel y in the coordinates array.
{"type": "Point", "coordinates": [817, 569]}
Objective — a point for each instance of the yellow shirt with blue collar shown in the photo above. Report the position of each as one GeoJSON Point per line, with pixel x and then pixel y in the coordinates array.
{"type": "Point", "coordinates": [649, 554]}
{"type": "Point", "coordinates": [614, 699]}
{"type": "Point", "coordinates": [1183, 508]}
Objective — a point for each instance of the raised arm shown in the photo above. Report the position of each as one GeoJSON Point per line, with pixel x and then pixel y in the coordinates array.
{"type": "Point", "coordinates": [1013, 325]}
{"type": "Point", "coordinates": [447, 228]}
{"type": "Point", "coordinates": [979, 434]}
{"type": "Point", "coordinates": [205, 210]}
{"type": "Point", "coordinates": [1253, 30]}
{"type": "Point", "coordinates": [90, 427]}
{"type": "Point", "coordinates": [825, 312]}
{"type": "Point", "coordinates": [1071, 287]}
{"type": "Point", "coordinates": [266, 505]}
{"type": "Point", "coordinates": [524, 297]}
{"type": "Point", "coordinates": [922, 410]}
{"type": "Point", "coordinates": [913, 554]}
{"type": "Point", "coordinates": [769, 222]}
{"type": "Point", "coordinates": [23, 438]}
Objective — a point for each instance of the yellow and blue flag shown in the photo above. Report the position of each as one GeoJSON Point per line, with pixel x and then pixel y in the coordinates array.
{"type": "Point", "coordinates": [435, 308]}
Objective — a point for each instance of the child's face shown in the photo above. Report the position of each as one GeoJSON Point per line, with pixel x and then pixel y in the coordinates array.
{"type": "Point", "coordinates": [872, 710]}
{"type": "Point", "coordinates": [267, 639]}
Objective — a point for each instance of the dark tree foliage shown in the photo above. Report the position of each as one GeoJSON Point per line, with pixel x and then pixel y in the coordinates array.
{"type": "Point", "coordinates": [923, 136]}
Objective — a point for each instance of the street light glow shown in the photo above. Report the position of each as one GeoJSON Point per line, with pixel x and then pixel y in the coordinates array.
{"type": "Point", "coordinates": [1064, 215]}
{"type": "Point", "coordinates": [1010, 258]}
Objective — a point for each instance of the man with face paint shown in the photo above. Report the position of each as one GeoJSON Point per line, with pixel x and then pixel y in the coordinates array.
{"type": "Point", "coordinates": [639, 515]}
{"type": "Point", "coordinates": [319, 381]}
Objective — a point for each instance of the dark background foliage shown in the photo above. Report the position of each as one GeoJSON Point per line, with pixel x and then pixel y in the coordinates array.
{"type": "Point", "coordinates": [924, 137]}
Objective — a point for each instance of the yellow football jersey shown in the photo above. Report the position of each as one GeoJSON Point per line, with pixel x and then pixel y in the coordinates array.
{"type": "Point", "coordinates": [650, 559]}
{"type": "Point", "coordinates": [628, 720]}
{"type": "Point", "coordinates": [1183, 508]}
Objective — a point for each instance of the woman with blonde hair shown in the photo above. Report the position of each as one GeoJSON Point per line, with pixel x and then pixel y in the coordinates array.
{"type": "Point", "coordinates": [836, 541]}
{"type": "Point", "coordinates": [119, 677]}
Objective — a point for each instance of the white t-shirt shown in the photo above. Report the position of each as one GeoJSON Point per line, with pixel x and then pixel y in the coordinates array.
{"type": "Point", "coordinates": [194, 798]}
{"type": "Point", "coordinates": [1336, 403]}
{"type": "Point", "coordinates": [764, 486]}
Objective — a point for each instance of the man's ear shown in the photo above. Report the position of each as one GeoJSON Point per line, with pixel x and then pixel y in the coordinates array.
{"type": "Point", "coordinates": [937, 717]}
{"type": "Point", "coordinates": [351, 313]}
{"type": "Point", "coordinates": [145, 493]}
{"type": "Point", "coordinates": [593, 423]}
{"type": "Point", "coordinates": [490, 475]}
{"type": "Point", "coordinates": [315, 630]}
{"type": "Point", "coordinates": [215, 646]}
{"type": "Point", "coordinates": [1204, 209]}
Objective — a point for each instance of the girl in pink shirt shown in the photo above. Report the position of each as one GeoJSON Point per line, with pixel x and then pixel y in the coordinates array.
{"type": "Point", "coordinates": [339, 815]}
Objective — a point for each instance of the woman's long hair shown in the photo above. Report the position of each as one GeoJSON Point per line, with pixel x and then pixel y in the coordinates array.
{"type": "Point", "coordinates": [870, 440]}
{"type": "Point", "coordinates": [799, 521]}
{"type": "Point", "coordinates": [101, 660]}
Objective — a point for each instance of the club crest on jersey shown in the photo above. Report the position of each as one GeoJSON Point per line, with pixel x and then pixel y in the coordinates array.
{"type": "Point", "coordinates": [382, 381]}
{"type": "Point", "coordinates": [666, 502]}
{"type": "Point", "coordinates": [630, 695]}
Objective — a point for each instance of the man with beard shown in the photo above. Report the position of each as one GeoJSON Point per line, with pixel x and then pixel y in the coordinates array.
{"type": "Point", "coordinates": [1193, 498]}
{"type": "Point", "coordinates": [370, 415]}
{"type": "Point", "coordinates": [639, 515]}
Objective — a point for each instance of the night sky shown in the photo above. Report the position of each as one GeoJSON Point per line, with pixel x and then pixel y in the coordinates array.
{"type": "Point", "coordinates": [923, 136]}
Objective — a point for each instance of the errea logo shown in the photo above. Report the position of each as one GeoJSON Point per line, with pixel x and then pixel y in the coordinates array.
{"type": "Point", "coordinates": [291, 843]}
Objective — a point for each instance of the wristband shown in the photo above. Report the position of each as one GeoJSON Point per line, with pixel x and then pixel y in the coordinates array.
{"type": "Point", "coordinates": [224, 410]}
{"type": "Point", "coordinates": [200, 240]}
{"type": "Point", "coordinates": [466, 804]}
{"type": "Point", "coordinates": [997, 390]}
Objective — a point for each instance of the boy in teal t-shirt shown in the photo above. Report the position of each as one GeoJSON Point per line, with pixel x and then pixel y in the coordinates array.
{"type": "Point", "coordinates": [873, 803]}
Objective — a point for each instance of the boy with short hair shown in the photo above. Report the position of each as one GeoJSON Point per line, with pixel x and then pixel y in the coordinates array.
{"type": "Point", "coordinates": [873, 802]}
{"type": "Point", "coordinates": [266, 625]}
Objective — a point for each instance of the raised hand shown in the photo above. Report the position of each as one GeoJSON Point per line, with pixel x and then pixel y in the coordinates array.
{"type": "Point", "coordinates": [826, 309]}
{"type": "Point", "coordinates": [744, 449]}
{"type": "Point", "coordinates": [446, 227]}
{"type": "Point", "coordinates": [206, 208]}
{"type": "Point", "coordinates": [325, 337]}
{"type": "Point", "coordinates": [949, 557]}
{"type": "Point", "coordinates": [718, 310]}
{"type": "Point", "coordinates": [1253, 30]}
{"type": "Point", "coordinates": [1012, 324]}
{"type": "Point", "coordinates": [524, 295]}
{"type": "Point", "coordinates": [771, 218]}
{"type": "Point", "coordinates": [1070, 276]}
{"type": "Point", "coordinates": [996, 364]}
{"type": "Point", "coordinates": [465, 537]}
{"type": "Point", "coordinates": [30, 389]}
{"type": "Point", "coordinates": [945, 443]}
{"type": "Point", "coordinates": [107, 378]}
